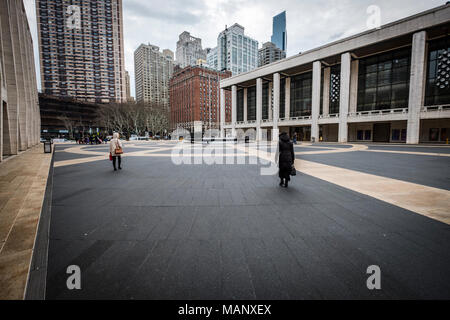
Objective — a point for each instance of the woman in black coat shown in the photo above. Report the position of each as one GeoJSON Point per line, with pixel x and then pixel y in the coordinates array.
{"type": "Point", "coordinates": [286, 159]}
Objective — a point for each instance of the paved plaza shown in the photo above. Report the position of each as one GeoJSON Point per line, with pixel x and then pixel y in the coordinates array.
{"type": "Point", "coordinates": [162, 230]}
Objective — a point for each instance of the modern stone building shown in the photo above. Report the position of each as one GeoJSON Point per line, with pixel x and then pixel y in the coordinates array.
{"type": "Point", "coordinates": [235, 51]}
{"type": "Point", "coordinates": [384, 85]}
{"type": "Point", "coordinates": [19, 113]}
{"type": "Point", "coordinates": [152, 71]}
{"type": "Point", "coordinates": [189, 50]}
{"type": "Point", "coordinates": [81, 49]}
{"type": "Point", "coordinates": [269, 53]}
{"type": "Point", "coordinates": [195, 100]}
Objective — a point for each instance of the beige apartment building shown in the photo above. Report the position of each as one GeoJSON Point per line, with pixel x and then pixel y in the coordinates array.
{"type": "Point", "coordinates": [19, 112]}
{"type": "Point", "coordinates": [152, 71]}
{"type": "Point", "coordinates": [81, 49]}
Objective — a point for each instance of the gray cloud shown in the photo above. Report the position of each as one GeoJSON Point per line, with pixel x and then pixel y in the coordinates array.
{"type": "Point", "coordinates": [165, 11]}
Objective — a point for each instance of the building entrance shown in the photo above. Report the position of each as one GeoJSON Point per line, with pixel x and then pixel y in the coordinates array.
{"type": "Point", "coordinates": [303, 133]}
{"type": "Point", "coordinates": [381, 132]}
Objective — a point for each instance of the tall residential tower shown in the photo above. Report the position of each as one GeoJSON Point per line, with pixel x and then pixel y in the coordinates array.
{"type": "Point", "coordinates": [81, 49]}
{"type": "Point", "coordinates": [236, 52]}
{"type": "Point", "coordinates": [189, 50]}
{"type": "Point", "coordinates": [269, 53]}
{"type": "Point", "coordinates": [152, 71]}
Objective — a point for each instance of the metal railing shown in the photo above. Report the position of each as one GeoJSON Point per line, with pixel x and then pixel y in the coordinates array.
{"type": "Point", "coordinates": [300, 118]}
{"type": "Point", "coordinates": [329, 116]}
{"type": "Point", "coordinates": [436, 108]}
{"type": "Point", "coordinates": [378, 112]}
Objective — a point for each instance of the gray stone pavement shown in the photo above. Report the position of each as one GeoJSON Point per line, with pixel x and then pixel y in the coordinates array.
{"type": "Point", "coordinates": [156, 230]}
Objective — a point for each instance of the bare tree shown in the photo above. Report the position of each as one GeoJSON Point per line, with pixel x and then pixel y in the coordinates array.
{"type": "Point", "coordinates": [68, 124]}
{"type": "Point", "coordinates": [137, 118]}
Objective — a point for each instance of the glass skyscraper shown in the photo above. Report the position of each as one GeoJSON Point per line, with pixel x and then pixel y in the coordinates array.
{"type": "Point", "coordinates": [279, 35]}
{"type": "Point", "coordinates": [236, 52]}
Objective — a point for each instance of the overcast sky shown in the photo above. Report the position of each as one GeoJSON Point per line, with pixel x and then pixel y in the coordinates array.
{"type": "Point", "coordinates": [310, 23]}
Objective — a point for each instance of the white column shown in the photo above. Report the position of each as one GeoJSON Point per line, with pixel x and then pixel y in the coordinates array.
{"type": "Point", "coordinates": [315, 101]}
{"type": "Point", "coordinates": [258, 108]}
{"type": "Point", "coordinates": [354, 86]}
{"type": "Point", "coordinates": [269, 101]}
{"type": "Point", "coordinates": [326, 91]}
{"type": "Point", "coordinates": [276, 106]}
{"type": "Point", "coordinates": [222, 112]}
{"type": "Point", "coordinates": [416, 87]}
{"type": "Point", "coordinates": [245, 105]}
{"type": "Point", "coordinates": [344, 97]}
{"type": "Point", "coordinates": [233, 110]}
{"type": "Point", "coordinates": [287, 98]}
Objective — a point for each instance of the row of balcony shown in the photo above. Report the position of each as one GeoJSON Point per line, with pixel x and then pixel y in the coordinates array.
{"type": "Point", "coordinates": [432, 110]}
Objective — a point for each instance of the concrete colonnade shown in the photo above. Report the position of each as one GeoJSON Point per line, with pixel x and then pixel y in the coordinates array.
{"type": "Point", "coordinates": [348, 95]}
{"type": "Point", "coordinates": [20, 117]}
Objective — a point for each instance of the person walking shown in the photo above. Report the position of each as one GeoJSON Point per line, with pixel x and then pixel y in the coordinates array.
{"type": "Point", "coordinates": [115, 149]}
{"type": "Point", "coordinates": [294, 139]}
{"type": "Point", "coordinates": [285, 159]}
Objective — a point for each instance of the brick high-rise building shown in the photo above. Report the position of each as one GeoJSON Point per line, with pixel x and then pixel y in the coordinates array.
{"type": "Point", "coordinates": [195, 99]}
{"type": "Point", "coordinates": [81, 49]}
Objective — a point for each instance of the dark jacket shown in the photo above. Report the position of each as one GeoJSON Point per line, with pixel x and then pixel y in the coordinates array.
{"type": "Point", "coordinates": [286, 156]}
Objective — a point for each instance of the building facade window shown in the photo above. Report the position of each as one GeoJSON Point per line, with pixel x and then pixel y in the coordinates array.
{"type": "Point", "coordinates": [437, 90]}
{"type": "Point", "coordinates": [335, 89]}
{"type": "Point", "coordinates": [383, 81]}
{"type": "Point", "coordinates": [251, 103]}
{"type": "Point", "coordinates": [301, 94]}
{"type": "Point", "coordinates": [265, 101]}
{"type": "Point", "coordinates": [240, 105]}
{"type": "Point", "coordinates": [282, 98]}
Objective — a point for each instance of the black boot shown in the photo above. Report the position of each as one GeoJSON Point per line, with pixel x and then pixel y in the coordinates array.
{"type": "Point", "coordinates": [281, 182]}
{"type": "Point", "coordinates": [286, 183]}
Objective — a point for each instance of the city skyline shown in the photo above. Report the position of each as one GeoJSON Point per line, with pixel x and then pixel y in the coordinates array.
{"type": "Point", "coordinates": [323, 24]}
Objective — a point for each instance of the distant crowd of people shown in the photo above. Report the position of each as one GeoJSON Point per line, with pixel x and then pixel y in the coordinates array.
{"type": "Point", "coordinates": [92, 140]}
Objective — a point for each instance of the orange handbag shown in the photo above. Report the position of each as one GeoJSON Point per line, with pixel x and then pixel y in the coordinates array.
{"type": "Point", "coordinates": [118, 148]}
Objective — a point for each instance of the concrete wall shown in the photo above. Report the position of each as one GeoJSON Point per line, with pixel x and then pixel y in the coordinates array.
{"type": "Point", "coordinates": [20, 118]}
